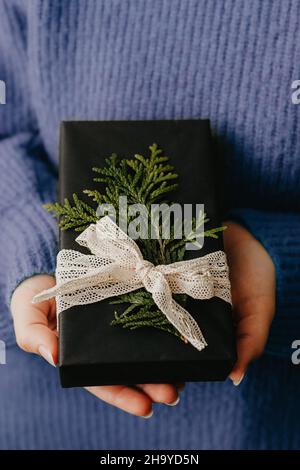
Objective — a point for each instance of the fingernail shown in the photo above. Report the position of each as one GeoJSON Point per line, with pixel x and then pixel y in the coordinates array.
{"type": "Point", "coordinates": [237, 382]}
{"type": "Point", "coordinates": [148, 415]}
{"type": "Point", "coordinates": [46, 354]}
{"type": "Point", "coordinates": [175, 402]}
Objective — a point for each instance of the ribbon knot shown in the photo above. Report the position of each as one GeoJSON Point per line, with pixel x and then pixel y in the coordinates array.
{"type": "Point", "coordinates": [143, 268]}
{"type": "Point", "coordinates": [116, 266]}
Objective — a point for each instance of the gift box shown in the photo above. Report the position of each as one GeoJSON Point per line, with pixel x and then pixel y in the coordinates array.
{"type": "Point", "coordinates": [91, 350]}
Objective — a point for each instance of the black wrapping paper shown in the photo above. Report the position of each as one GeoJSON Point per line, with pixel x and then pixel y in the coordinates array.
{"type": "Point", "coordinates": [91, 351]}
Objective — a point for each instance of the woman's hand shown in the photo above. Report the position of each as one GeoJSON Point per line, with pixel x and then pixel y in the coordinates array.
{"type": "Point", "coordinates": [252, 275]}
{"type": "Point", "coordinates": [35, 328]}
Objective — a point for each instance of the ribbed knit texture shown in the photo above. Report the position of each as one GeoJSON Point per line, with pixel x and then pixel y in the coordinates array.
{"type": "Point", "coordinates": [262, 413]}
{"type": "Point", "coordinates": [231, 61]}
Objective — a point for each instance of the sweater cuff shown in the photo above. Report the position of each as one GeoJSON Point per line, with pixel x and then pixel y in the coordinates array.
{"type": "Point", "coordinates": [28, 246]}
{"type": "Point", "coordinates": [279, 233]}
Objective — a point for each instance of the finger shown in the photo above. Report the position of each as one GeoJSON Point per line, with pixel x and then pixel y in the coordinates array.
{"type": "Point", "coordinates": [39, 339]}
{"type": "Point", "coordinates": [161, 393]}
{"type": "Point", "coordinates": [24, 312]}
{"type": "Point", "coordinates": [252, 334]}
{"type": "Point", "coordinates": [126, 398]}
{"type": "Point", "coordinates": [34, 333]}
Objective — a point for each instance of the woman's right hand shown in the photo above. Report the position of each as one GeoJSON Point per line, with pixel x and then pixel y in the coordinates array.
{"type": "Point", "coordinates": [36, 332]}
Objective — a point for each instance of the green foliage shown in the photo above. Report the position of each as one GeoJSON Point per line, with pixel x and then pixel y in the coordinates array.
{"type": "Point", "coordinates": [141, 311]}
{"type": "Point", "coordinates": [146, 181]}
{"type": "Point", "coordinates": [76, 217]}
{"type": "Point", "coordinates": [142, 180]}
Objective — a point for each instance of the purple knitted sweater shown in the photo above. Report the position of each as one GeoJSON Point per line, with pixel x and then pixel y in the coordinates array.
{"type": "Point", "coordinates": [231, 61]}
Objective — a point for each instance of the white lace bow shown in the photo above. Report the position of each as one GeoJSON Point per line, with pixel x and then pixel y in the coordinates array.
{"type": "Point", "coordinates": [116, 266]}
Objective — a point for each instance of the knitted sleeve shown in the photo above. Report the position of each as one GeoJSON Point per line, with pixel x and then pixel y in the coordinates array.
{"type": "Point", "coordinates": [28, 239]}
{"type": "Point", "coordinates": [279, 233]}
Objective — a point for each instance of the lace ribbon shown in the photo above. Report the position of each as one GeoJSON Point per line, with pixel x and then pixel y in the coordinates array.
{"type": "Point", "coordinates": [116, 266]}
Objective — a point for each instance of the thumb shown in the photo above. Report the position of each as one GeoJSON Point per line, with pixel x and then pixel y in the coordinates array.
{"type": "Point", "coordinates": [35, 325]}
{"type": "Point", "coordinates": [39, 339]}
{"type": "Point", "coordinates": [252, 334]}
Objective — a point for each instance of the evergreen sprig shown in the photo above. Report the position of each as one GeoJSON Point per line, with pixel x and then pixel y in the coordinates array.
{"type": "Point", "coordinates": [143, 180]}
{"type": "Point", "coordinates": [141, 311]}
{"type": "Point", "coordinates": [77, 216]}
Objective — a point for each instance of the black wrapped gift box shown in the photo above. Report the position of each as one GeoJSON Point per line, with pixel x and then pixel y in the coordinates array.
{"type": "Point", "coordinates": [91, 351]}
